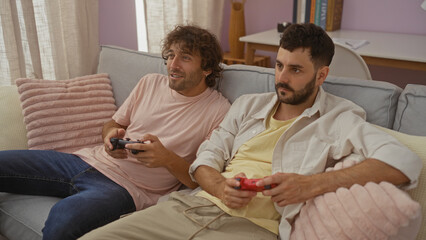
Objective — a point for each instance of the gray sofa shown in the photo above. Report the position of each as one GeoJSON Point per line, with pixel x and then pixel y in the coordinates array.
{"type": "Point", "coordinates": [404, 110]}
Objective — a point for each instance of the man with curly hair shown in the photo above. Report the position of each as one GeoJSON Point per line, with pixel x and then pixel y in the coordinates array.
{"type": "Point", "coordinates": [171, 114]}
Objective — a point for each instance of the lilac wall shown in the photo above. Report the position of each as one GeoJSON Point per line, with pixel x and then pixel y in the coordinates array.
{"type": "Point", "coordinates": [117, 25]}
{"type": "Point", "coordinates": [399, 16]}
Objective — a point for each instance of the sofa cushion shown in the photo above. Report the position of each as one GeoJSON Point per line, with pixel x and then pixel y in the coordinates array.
{"type": "Point", "coordinates": [411, 115]}
{"type": "Point", "coordinates": [66, 115]}
{"type": "Point", "coordinates": [117, 61]}
{"type": "Point", "coordinates": [403, 215]}
{"type": "Point", "coordinates": [378, 99]}
{"type": "Point", "coordinates": [237, 79]}
{"type": "Point", "coordinates": [241, 79]}
{"type": "Point", "coordinates": [22, 216]}
{"type": "Point", "coordinates": [12, 132]}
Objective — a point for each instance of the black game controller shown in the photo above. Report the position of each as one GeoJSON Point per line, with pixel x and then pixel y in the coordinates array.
{"type": "Point", "coordinates": [118, 143]}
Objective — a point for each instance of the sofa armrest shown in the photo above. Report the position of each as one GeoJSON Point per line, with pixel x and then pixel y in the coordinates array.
{"type": "Point", "coordinates": [13, 134]}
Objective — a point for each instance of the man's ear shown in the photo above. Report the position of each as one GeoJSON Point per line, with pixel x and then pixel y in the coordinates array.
{"type": "Point", "coordinates": [207, 72]}
{"type": "Point", "coordinates": [322, 74]}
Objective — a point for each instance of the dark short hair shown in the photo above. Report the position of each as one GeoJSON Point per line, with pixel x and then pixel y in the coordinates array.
{"type": "Point", "coordinates": [309, 36]}
{"type": "Point", "coordinates": [199, 41]}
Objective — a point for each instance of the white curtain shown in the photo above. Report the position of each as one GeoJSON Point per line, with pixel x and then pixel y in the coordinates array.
{"type": "Point", "coordinates": [49, 39]}
{"type": "Point", "coordinates": [163, 15]}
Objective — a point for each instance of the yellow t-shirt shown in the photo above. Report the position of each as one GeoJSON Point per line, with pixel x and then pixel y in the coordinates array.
{"type": "Point", "coordinates": [254, 158]}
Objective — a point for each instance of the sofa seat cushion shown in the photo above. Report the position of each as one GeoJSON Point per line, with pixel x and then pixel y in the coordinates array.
{"type": "Point", "coordinates": [411, 115]}
{"type": "Point", "coordinates": [66, 115]}
{"type": "Point", "coordinates": [12, 132]}
{"type": "Point", "coordinates": [22, 216]}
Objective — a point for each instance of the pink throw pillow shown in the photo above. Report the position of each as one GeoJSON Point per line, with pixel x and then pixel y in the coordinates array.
{"type": "Point", "coordinates": [66, 115]}
{"type": "Point", "coordinates": [373, 211]}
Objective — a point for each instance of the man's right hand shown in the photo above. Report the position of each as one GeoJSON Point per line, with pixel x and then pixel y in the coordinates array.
{"type": "Point", "coordinates": [114, 133]}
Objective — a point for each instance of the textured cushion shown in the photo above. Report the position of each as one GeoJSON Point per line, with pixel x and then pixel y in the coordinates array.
{"type": "Point", "coordinates": [12, 131]}
{"type": "Point", "coordinates": [66, 115]}
{"type": "Point", "coordinates": [378, 99]}
{"type": "Point", "coordinates": [373, 211]}
{"type": "Point", "coordinates": [379, 211]}
{"type": "Point", "coordinates": [411, 115]}
{"type": "Point", "coordinates": [126, 67]}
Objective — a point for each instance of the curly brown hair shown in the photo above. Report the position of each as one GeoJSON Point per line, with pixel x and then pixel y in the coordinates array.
{"type": "Point", "coordinates": [199, 41]}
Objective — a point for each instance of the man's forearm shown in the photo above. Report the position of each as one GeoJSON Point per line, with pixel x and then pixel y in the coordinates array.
{"type": "Point", "coordinates": [294, 188]}
{"type": "Point", "coordinates": [179, 167]}
{"type": "Point", "coordinates": [210, 180]}
{"type": "Point", "coordinates": [369, 170]}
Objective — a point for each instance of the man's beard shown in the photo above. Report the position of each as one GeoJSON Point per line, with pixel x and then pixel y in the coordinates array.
{"type": "Point", "coordinates": [298, 97]}
{"type": "Point", "coordinates": [189, 81]}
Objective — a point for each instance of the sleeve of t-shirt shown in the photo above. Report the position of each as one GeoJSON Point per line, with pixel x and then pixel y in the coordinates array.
{"type": "Point", "coordinates": [123, 114]}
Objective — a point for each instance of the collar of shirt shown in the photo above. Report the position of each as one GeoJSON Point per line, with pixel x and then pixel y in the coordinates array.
{"type": "Point", "coordinates": [318, 106]}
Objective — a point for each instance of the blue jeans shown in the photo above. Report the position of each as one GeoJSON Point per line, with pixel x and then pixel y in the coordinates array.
{"type": "Point", "coordinates": [90, 199]}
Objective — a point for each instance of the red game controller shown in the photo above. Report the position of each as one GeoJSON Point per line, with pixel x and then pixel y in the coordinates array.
{"type": "Point", "coordinates": [250, 184]}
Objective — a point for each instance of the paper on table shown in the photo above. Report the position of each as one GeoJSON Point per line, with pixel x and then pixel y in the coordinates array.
{"type": "Point", "coordinates": [351, 43]}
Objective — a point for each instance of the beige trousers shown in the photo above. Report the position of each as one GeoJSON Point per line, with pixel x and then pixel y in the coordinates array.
{"type": "Point", "coordinates": [181, 217]}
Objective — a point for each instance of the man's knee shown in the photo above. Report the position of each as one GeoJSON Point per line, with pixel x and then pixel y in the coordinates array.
{"type": "Point", "coordinates": [62, 224]}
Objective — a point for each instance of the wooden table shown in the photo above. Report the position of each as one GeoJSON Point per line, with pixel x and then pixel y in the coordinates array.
{"type": "Point", "coordinates": [395, 50]}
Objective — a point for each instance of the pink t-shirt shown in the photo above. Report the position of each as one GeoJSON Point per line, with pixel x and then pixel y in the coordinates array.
{"type": "Point", "coordinates": [181, 123]}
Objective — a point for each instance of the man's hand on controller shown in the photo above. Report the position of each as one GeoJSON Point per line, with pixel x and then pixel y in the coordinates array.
{"type": "Point", "coordinates": [154, 153]}
{"type": "Point", "coordinates": [232, 197]}
{"type": "Point", "coordinates": [117, 153]}
{"type": "Point", "coordinates": [291, 188]}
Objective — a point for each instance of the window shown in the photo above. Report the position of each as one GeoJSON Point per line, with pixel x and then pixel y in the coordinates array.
{"type": "Point", "coordinates": [141, 25]}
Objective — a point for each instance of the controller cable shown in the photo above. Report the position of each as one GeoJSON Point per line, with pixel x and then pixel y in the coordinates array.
{"type": "Point", "coordinates": [205, 226]}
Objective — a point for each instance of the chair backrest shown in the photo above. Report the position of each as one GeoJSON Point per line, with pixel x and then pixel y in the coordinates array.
{"type": "Point", "coordinates": [348, 63]}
